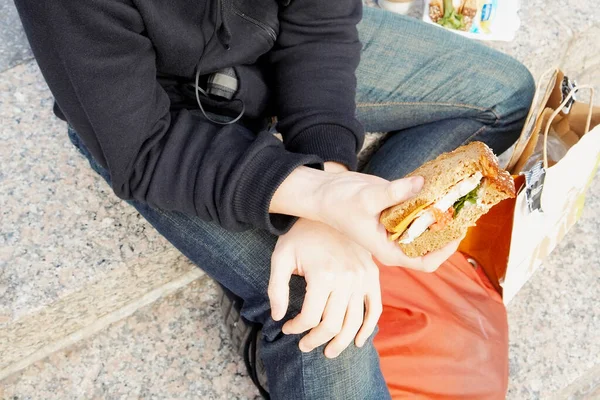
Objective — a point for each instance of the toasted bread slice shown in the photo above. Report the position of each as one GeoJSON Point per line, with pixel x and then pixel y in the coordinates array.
{"type": "Point", "coordinates": [493, 191]}
{"type": "Point", "coordinates": [440, 175]}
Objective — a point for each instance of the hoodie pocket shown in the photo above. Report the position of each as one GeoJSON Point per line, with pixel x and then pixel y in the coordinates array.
{"type": "Point", "coordinates": [261, 25]}
{"type": "Point", "coordinates": [263, 14]}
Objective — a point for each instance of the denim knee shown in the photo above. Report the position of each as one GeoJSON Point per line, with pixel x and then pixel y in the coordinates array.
{"type": "Point", "coordinates": [519, 93]}
{"type": "Point", "coordinates": [525, 86]}
{"type": "Point", "coordinates": [259, 309]}
{"type": "Point", "coordinates": [353, 375]}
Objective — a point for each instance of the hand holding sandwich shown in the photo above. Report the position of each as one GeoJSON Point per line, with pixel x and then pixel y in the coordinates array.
{"type": "Point", "coordinates": [351, 203]}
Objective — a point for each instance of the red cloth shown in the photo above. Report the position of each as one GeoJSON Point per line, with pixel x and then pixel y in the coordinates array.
{"type": "Point", "coordinates": [443, 335]}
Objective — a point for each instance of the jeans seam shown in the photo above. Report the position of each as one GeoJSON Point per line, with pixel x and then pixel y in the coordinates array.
{"type": "Point", "coordinates": [417, 103]}
{"type": "Point", "coordinates": [426, 103]}
{"type": "Point", "coordinates": [303, 373]}
{"type": "Point", "coordinates": [480, 130]}
{"type": "Point", "coordinates": [477, 132]}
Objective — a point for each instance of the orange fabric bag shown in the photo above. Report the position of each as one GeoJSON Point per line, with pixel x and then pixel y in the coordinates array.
{"type": "Point", "coordinates": [443, 335]}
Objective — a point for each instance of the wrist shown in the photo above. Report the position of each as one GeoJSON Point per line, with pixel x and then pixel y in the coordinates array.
{"type": "Point", "coordinates": [329, 141]}
{"type": "Point", "coordinates": [298, 194]}
{"type": "Point", "coordinates": [335, 167]}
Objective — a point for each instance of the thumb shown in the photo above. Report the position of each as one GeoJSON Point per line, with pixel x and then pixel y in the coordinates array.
{"type": "Point", "coordinates": [279, 287]}
{"type": "Point", "coordinates": [398, 191]}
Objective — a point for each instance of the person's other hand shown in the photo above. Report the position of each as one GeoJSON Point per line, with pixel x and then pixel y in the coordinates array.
{"type": "Point", "coordinates": [343, 298]}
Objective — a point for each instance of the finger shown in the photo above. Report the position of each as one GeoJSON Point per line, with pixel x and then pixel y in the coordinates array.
{"type": "Point", "coordinates": [313, 308]}
{"type": "Point", "coordinates": [331, 325]}
{"type": "Point", "coordinates": [397, 191]}
{"type": "Point", "coordinates": [389, 253]}
{"type": "Point", "coordinates": [352, 323]}
{"type": "Point", "coordinates": [279, 285]}
{"type": "Point", "coordinates": [431, 261]}
{"type": "Point", "coordinates": [373, 309]}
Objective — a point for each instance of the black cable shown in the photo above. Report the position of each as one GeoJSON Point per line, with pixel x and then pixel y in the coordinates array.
{"type": "Point", "coordinates": [250, 351]}
{"type": "Point", "coordinates": [198, 89]}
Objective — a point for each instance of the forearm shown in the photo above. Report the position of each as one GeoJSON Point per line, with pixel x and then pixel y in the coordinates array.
{"type": "Point", "coordinates": [314, 61]}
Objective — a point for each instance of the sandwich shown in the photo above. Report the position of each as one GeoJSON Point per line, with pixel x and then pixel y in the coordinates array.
{"type": "Point", "coordinates": [460, 186]}
{"type": "Point", "coordinates": [453, 14]}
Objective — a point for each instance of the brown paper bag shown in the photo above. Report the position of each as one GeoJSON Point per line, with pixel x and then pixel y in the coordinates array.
{"type": "Point", "coordinates": [512, 240]}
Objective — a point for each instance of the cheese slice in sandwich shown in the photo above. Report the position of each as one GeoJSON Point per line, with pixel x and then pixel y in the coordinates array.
{"type": "Point", "coordinates": [460, 186]}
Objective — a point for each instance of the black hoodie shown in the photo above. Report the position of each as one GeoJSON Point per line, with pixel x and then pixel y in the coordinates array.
{"type": "Point", "coordinates": [118, 70]}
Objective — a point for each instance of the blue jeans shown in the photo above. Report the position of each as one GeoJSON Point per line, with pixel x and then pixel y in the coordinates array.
{"type": "Point", "coordinates": [434, 91]}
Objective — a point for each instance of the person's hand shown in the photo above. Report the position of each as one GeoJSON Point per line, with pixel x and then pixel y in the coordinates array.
{"type": "Point", "coordinates": [351, 203]}
{"type": "Point", "coordinates": [343, 298]}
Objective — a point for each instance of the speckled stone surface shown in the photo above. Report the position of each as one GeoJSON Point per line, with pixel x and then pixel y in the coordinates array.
{"type": "Point", "coordinates": [585, 387]}
{"type": "Point", "coordinates": [175, 349]}
{"type": "Point", "coordinates": [14, 48]}
{"type": "Point", "coordinates": [62, 227]}
{"type": "Point", "coordinates": [554, 321]}
{"type": "Point", "coordinates": [70, 251]}
{"type": "Point", "coordinates": [62, 232]}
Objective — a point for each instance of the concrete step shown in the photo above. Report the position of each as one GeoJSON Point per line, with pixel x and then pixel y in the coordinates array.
{"type": "Point", "coordinates": [175, 348]}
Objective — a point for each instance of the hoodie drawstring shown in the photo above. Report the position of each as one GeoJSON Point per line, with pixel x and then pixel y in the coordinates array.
{"type": "Point", "coordinates": [223, 34]}
{"type": "Point", "coordinates": [222, 30]}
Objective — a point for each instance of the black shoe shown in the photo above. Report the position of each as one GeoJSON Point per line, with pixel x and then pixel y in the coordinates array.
{"type": "Point", "coordinates": [245, 337]}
